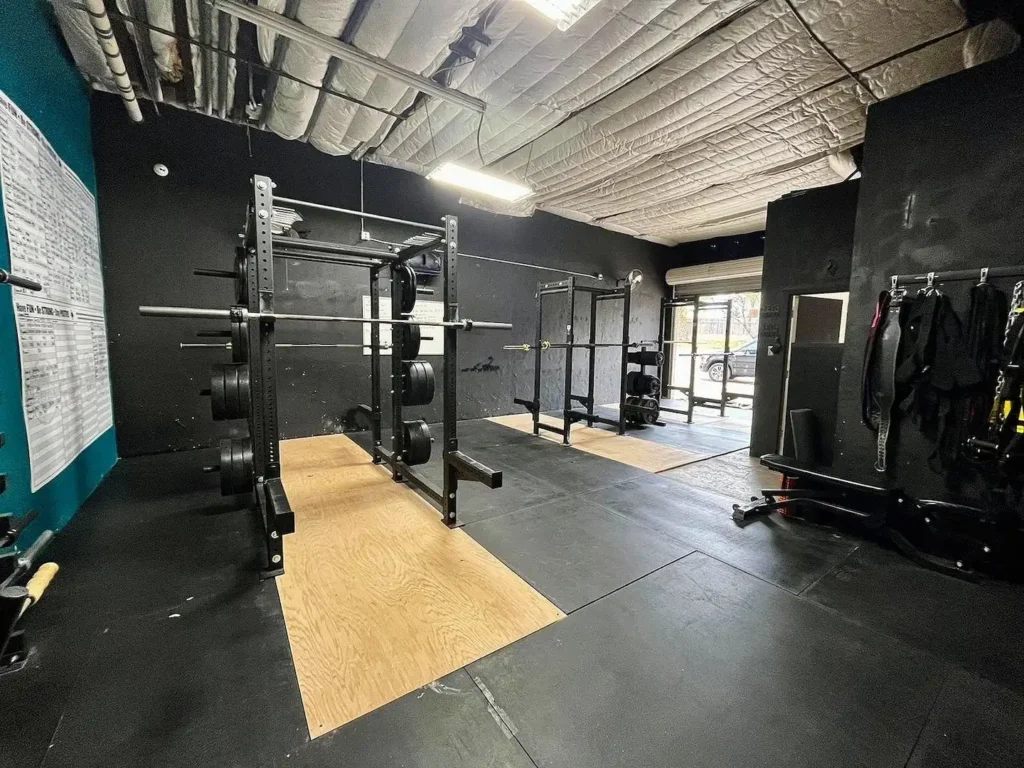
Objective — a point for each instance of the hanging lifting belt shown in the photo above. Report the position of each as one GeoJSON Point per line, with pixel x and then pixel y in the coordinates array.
{"type": "Point", "coordinates": [887, 355]}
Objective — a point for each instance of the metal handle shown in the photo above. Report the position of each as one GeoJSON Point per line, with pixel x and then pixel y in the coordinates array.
{"type": "Point", "coordinates": [20, 282]}
{"type": "Point", "coordinates": [26, 558]}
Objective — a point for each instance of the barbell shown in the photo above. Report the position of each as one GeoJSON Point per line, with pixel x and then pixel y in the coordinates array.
{"type": "Point", "coordinates": [201, 313]}
{"type": "Point", "coordinates": [544, 345]}
{"type": "Point", "coordinates": [227, 345]}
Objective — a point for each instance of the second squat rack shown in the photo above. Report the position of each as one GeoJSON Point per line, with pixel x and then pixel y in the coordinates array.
{"type": "Point", "coordinates": [638, 390]}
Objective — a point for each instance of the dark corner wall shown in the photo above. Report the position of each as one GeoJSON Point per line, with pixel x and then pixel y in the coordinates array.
{"type": "Point", "coordinates": [36, 76]}
{"type": "Point", "coordinates": [725, 248]}
{"type": "Point", "coordinates": [808, 249]}
{"type": "Point", "coordinates": [157, 230]}
{"type": "Point", "coordinates": [942, 189]}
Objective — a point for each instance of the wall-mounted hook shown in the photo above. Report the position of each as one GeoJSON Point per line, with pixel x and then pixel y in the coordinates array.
{"type": "Point", "coordinates": [984, 276]}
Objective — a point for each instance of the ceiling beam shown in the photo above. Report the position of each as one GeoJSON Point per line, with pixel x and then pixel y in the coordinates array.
{"type": "Point", "coordinates": [329, 45]}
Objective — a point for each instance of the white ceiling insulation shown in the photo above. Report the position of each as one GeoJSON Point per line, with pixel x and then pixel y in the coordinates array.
{"type": "Point", "coordinates": [670, 120]}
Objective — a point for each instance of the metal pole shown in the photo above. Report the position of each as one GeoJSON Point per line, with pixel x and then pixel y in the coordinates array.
{"type": "Point", "coordinates": [19, 282]}
{"type": "Point", "coordinates": [397, 429]}
{"type": "Point", "coordinates": [375, 412]}
{"type": "Point", "coordinates": [626, 299]}
{"type": "Point", "coordinates": [664, 370]}
{"type": "Point", "coordinates": [337, 49]}
{"type": "Point", "coordinates": [262, 367]}
{"type": "Point", "coordinates": [569, 340]}
{"type": "Point", "coordinates": [537, 364]}
{"type": "Point", "coordinates": [725, 357]}
{"type": "Point", "coordinates": [286, 345]}
{"type": "Point", "coordinates": [593, 359]}
{"type": "Point", "coordinates": [362, 214]}
{"type": "Point", "coordinates": [693, 361]}
{"type": "Point", "coordinates": [200, 313]}
{"type": "Point", "coordinates": [449, 268]}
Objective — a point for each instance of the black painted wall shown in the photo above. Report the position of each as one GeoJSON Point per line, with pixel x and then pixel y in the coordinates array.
{"type": "Point", "coordinates": [155, 231]}
{"type": "Point", "coordinates": [942, 189]}
{"type": "Point", "coordinates": [808, 249]}
{"type": "Point", "coordinates": [715, 249]}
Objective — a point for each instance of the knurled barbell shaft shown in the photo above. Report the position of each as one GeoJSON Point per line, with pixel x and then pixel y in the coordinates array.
{"type": "Point", "coordinates": [195, 345]}
{"type": "Point", "coordinates": [564, 345]}
{"type": "Point", "coordinates": [225, 314]}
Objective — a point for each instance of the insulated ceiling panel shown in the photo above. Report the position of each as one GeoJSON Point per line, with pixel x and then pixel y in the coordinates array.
{"type": "Point", "coordinates": [671, 120]}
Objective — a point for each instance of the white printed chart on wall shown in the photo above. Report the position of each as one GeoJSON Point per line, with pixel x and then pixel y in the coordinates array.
{"type": "Point", "coordinates": [62, 338]}
{"type": "Point", "coordinates": [429, 311]}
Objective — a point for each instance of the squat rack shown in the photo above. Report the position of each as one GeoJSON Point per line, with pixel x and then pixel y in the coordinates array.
{"type": "Point", "coordinates": [570, 416]}
{"type": "Point", "coordinates": [253, 322]}
{"type": "Point", "coordinates": [665, 345]}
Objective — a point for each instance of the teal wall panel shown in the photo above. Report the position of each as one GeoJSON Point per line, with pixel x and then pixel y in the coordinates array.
{"type": "Point", "coordinates": [36, 73]}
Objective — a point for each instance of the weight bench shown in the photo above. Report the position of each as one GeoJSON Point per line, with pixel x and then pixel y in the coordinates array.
{"type": "Point", "coordinates": [810, 486]}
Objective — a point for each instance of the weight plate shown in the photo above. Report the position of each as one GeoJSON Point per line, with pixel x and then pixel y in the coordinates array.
{"type": "Point", "coordinates": [651, 411]}
{"type": "Point", "coordinates": [229, 391]}
{"type": "Point", "coordinates": [652, 385]}
{"type": "Point", "coordinates": [416, 442]}
{"type": "Point", "coordinates": [633, 383]}
{"type": "Point", "coordinates": [407, 282]}
{"type": "Point", "coordinates": [239, 342]}
{"type": "Point", "coordinates": [417, 382]}
{"type": "Point", "coordinates": [218, 395]}
{"type": "Point", "coordinates": [410, 340]}
{"type": "Point", "coordinates": [236, 474]}
{"type": "Point", "coordinates": [241, 276]}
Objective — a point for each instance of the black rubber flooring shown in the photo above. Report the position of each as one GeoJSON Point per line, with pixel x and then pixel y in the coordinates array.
{"type": "Point", "coordinates": [688, 641]}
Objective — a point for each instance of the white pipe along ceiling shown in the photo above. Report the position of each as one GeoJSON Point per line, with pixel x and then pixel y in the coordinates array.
{"type": "Point", "coordinates": [669, 120]}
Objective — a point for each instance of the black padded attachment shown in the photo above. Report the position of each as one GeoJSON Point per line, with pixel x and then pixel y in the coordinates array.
{"type": "Point", "coordinates": [417, 382]}
{"type": "Point", "coordinates": [409, 338]}
{"type": "Point", "coordinates": [416, 442]}
{"type": "Point", "coordinates": [407, 280]}
{"type": "Point", "coordinates": [804, 426]}
{"type": "Point", "coordinates": [229, 391]}
{"type": "Point", "coordinates": [236, 466]}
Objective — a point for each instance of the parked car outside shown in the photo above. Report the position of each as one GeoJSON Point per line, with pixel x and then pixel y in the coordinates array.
{"type": "Point", "coordinates": [741, 363]}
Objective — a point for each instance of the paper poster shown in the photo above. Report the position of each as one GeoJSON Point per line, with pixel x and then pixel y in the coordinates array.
{"type": "Point", "coordinates": [62, 338]}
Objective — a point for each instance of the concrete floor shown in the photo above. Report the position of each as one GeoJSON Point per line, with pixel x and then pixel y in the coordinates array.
{"type": "Point", "coordinates": [688, 641]}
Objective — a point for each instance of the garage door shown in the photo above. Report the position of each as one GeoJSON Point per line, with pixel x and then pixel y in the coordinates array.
{"type": "Point", "coordinates": [736, 276]}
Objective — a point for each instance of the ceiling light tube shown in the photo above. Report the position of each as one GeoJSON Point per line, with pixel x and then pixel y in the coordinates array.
{"type": "Point", "coordinates": [564, 13]}
{"type": "Point", "coordinates": [477, 181]}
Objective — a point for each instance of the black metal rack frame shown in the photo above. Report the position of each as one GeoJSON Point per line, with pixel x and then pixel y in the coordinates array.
{"type": "Point", "coordinates": [261, 248]}
{"type": "Point", "coordinates": [666, 326]}
{"type": "Point", "coordinates": [570, 416]}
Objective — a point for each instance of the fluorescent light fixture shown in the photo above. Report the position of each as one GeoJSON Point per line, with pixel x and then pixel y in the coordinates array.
{"type": "Point", "coordinates": [564, 12]}
{"type": "Point", "coordinates": [449, 173]}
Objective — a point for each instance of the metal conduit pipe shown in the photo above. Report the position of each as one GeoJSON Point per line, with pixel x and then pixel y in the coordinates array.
{"type": "Point", "coordinates": [112, 53]}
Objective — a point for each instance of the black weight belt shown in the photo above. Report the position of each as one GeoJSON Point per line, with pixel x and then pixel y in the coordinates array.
{"type": "Point", "coordinates": [888, 348]}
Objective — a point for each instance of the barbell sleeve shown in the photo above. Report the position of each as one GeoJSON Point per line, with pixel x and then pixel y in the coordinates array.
{"type": "Point", "coordinates": [26, 558]}
{"type": "Point", "coordinates": [19, 282]}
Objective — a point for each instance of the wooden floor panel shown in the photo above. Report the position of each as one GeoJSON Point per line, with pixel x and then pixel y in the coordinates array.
{"type": "Point", "coordinates": [379, 596]}
{"type": "Point", "coordinates": [642, 454]}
